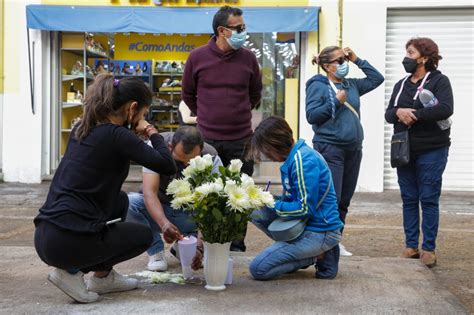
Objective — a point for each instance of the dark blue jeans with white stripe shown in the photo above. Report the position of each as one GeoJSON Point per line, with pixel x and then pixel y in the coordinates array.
{"type": "Point", "coordinates": [420, 184]}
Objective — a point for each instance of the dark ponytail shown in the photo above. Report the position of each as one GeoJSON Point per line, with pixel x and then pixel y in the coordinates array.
{"type": "Point", "coordinates": [324, 56]}
{"type": "Point", "coordinates": [107, 96]}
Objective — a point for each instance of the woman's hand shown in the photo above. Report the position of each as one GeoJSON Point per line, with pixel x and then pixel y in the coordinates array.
{"type": "Point", "coordinates": [341, 96]}
{"type": "Point", "coordinates": [406, 116]}
{"type": "Point", "coordinates": [140, 128]}
{"type": "Point", "coordinates": [350, 54]}
{"type": "Point", "coordinates": [171, 233]}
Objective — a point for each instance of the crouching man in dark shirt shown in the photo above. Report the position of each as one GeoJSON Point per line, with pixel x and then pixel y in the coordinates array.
{"type": "Point", "coordinates": [152, 206]}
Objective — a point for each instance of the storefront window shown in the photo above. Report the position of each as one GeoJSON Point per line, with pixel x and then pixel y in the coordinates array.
{"type": "Point", "coordinates": [278, 56]}
{"type": "Point", "coordinates": [159, 60]}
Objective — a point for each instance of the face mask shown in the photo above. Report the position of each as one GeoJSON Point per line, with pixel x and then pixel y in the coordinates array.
{"type": "Point", "coordinates": [236, 40]}
{"type": "Point", "coordinates": [180, 167]}
{"type": "Point", "coordinates": [342, 70]}
{"type": "Point", "coordinates": [410, 65]}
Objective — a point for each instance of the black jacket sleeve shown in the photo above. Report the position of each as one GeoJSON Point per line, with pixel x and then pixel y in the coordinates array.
{"type": "Point", "coordinates": [157, 158]}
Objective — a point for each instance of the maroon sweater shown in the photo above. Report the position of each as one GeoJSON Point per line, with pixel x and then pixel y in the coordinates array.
{"type": "Point", "coordinates": [222, 89]}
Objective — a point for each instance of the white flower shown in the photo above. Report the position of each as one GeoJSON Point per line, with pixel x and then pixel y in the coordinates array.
{"type": "Point", "coordinates": [179, 188]}
{"type": "Point", "coordinates": [180, 202]}
{"type": "Point", "coordinates": [235, 166]}
{"type": "Point", "coordinates": [209, 188]}
{"type": "Point", "coordinates": [267, 199]}
{"type": "Point", "coordinates": [229, 184]}
{"type": "Point", "coordinates": [254, 196]}
{"type": "Point", "coordinates": [188, 172]}
{"type": "Point", "coordinates": [238, 199]}
{"type": "Point", "coordinates": [247, 181]}
{"type": "Point", "coordinates": [197, 165]}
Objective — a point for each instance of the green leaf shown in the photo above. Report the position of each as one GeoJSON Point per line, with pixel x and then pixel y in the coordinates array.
{"type": "Point", "coordinates": [217, 214]}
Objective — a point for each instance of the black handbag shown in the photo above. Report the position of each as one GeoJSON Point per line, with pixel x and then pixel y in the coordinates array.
{"type": "Point", "coordinates": [400, 149]}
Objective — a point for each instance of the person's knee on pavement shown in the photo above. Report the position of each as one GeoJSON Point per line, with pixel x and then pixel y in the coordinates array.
{"type": "Point", "coordinates": [257, 271]}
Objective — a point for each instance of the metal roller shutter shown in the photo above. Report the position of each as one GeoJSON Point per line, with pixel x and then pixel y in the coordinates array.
{"type": "Point", "coordinates": [453, 31]}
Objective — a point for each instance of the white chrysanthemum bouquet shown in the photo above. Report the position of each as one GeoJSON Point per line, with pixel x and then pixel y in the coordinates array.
{"type": "Point", "coordinates": [220, 204]}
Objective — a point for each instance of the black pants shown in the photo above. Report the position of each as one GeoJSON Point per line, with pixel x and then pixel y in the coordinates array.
{"type": "Point", "coordinates": [345, 166]}
{"type": "Point", "coordinates": [95, 251]}
{"type": "Point", "coordinates": [229, 150]}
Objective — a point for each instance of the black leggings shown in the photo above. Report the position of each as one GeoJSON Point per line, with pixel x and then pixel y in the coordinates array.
{"type": "Point", "coordinates": [91, 252]}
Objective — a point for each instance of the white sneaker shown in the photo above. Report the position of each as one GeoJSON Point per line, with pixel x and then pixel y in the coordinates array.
{"type": "Point", "coordinates": [114, 282]}
{"type": "Point", "coordinates": [343, 251]}
{"type": "Point", "coordinates": [157, 262]}
{"type": "Point", "coordinates": [73, 285]}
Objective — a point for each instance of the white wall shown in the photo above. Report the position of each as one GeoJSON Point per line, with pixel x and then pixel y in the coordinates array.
{"type": "Point", "coordinates": [22, 130]}
{"type": "Point", "coordinates": [364, 30]}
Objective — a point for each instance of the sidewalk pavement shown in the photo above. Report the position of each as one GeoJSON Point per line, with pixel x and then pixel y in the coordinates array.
{"type": "Point", "coordinates": [365, 284]}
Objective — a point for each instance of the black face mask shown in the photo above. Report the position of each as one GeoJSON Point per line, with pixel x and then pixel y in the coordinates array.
{"type": "Point", "coordinates": [410, 65]}
{"type": "Point", "coordinates": [180, 167]}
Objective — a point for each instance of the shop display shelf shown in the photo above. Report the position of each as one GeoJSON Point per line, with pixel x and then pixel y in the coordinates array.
{"type": "Point", "coordinates": [75, 51]}
{"type": "Point", "coordinates": [93, 54]}
{"type": "Point", "coordinates": [132, 75]}
{"type": "Point", "coordinates": [66, 130]}
{"type": "Point", "coordinates": [167, 74]}
{"type": "Point", "coordinates": [71, 105]}
{"type": "Point", "coordinates": [71, 77]}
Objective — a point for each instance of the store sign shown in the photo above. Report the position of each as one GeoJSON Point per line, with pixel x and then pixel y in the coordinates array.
{"type": "Point", "coordinates": [149, 47]}
{"type": "Point", "coordinates": [134, 46]}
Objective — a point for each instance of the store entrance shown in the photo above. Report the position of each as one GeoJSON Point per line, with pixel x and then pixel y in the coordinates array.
{"type": "Point", "coordinates": [159, 60]}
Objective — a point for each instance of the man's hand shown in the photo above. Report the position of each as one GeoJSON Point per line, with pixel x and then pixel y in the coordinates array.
{"type": "Point", "coordinates": [406, 116]}
{"type": "Point", "coordinates": [171, 233]}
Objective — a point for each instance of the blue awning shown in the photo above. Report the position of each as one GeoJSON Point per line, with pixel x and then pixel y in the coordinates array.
{"type": "Point", "coordinates": [112, 19]}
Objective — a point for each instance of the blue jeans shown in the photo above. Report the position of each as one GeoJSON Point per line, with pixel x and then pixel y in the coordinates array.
{"type": "Point", "coordinates": [344, 166]}
{"type": "Point", "coordinates": [420, 183]}
{"type": "Point", "coordinates": [287, 257]}
{"type": "Point", "coordinates": [138, 213]}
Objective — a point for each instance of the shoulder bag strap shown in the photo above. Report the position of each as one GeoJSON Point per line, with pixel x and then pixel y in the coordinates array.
{"type": "Point", "coordinates": [347, 104]}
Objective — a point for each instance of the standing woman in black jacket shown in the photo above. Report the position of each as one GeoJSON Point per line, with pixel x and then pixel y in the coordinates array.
{"type": "Point", "coordinates": [78, 229]}
{"type": "Point", "coordinates": [420, 180]}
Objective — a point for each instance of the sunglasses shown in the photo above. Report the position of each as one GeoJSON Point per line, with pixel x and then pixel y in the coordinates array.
{"type": "Point", "coordinates": [239, 28]}
{"type": "Point", "coordinates": [339, 60]}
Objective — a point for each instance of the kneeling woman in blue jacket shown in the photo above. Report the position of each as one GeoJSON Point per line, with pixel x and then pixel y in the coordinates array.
{"type": "Point", "coordinates": [306, 180]}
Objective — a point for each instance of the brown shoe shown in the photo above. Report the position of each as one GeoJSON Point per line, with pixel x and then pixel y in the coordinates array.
{"type": "Point", "coordinates": [410, 253]}
{"type": "Point", "coordinates": [428, 258]}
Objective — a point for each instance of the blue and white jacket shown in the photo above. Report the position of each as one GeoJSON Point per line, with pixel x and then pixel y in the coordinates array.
{"type": "Point", "coordinates": [305, 177]}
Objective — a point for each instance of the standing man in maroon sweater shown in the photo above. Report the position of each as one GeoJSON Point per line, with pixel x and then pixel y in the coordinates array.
{"type": "Point", "coordinates": [221, 84]}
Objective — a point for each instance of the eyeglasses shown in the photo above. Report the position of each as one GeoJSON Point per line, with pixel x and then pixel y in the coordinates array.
{"type": "Point", "coordinates": [339, 60]}
{"type": "Point", "coordinates": [239, 28]}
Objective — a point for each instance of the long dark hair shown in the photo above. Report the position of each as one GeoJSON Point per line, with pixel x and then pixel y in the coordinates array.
{"type": "Point", "coordinates": [272, 135]}
{"type": "Point", "coordinates": [324, 56]}
{"type": "Point", "coordinates": [108, 95]}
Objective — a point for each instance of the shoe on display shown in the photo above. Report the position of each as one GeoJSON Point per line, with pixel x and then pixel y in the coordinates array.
{"type": "Point", "coordinates": [428, 258]}
{"type": "Point", "coordinates": [157, 262]}
{"type": "Point", "coordinates": [343, 251]}
{"type": "Point", "coordinates": [113, 282]}
{"type": "Point", "coordinates": [73, 285]}
{"type": "Point", "coordinates": [410, 253]}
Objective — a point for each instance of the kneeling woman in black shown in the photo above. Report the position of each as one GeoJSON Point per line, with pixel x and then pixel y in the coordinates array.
{"type": "Point", "coordinates": [78, 229]}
